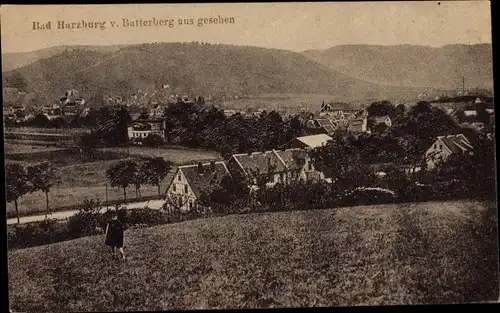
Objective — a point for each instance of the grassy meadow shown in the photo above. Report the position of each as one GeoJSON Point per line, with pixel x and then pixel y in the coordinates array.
{"type": "Point", "coordinates": [293, 103]}
{"type": "Point", "coordinates": [435, 252]}
{"type": "Point", "coordinates": [177, 155]}
{"type": "Point", "coordinates": [79, 180]}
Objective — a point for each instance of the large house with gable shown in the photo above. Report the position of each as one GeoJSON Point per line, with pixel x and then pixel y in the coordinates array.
{"type": "Point", "coordinates": [444, 146]}
{"type": "Point", "coordinates": [141, 128]}
{"type": "Point", "coordinates": [278, 166]}
{"type": "Point", "coordinates": [190, 181]}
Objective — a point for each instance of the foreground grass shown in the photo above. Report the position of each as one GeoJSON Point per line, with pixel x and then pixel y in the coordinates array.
{"type": "Point", "coordinates": [368, 255]}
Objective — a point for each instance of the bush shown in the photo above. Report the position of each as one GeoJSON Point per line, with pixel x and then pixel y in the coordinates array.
{"type": "Point", "coordinates": [146, 216]}
{"type": "Point", "coordinates": [367, 196]}
{"type": "Point", "coordinates": [152, 140]}
{"type": "Point", "coordinates": [83, 224]}
{"type": "Point", "coordinates": [36, 234]}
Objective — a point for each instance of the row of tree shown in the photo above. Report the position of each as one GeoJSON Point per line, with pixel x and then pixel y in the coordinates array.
{"type": "Point", "coordinates": [21, 181]}
{"type": "Point", "coordinates": [129, 173]}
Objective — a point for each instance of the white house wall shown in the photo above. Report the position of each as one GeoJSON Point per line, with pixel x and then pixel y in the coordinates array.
{"type": "Point", "coordinates": [179, 186]}
{"type": "Point", "coordinates": [438, 151]}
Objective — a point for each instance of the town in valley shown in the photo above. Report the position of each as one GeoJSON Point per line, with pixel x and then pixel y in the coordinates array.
{"type": "Point", "coordinates": [158, 173]}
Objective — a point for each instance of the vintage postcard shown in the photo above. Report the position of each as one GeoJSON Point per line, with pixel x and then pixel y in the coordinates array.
{"type": "Point", "coordinates": [252, 155]}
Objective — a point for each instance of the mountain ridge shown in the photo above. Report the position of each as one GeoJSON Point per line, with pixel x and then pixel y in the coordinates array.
{"type": "Point", "coordinates": [412, 65]}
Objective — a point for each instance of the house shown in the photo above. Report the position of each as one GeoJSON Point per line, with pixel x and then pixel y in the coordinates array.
{"type": "Point", "coordinates": [13, 110]}
{"type": "Point", "coordinates": [444, 146]}
{"type": "Point", "coordinates": [382, 120]}
{"type": "Point", "coordinates": [322, 125]}
{"type": "Point", "coordinates": [299, 163]}
{"type": "Point", "coordinates": [358, 125]}
{"type": "Point", "coordinates": [251, 164]}
{"type": "Point", "coordinates": [279, 166]}
{"type": "Point", "coordinates": [308, 142]}
{"type": "Point", "coordinates": [141, 128]}
{"type": "Point", "coordinates": [190, 181]}
{"type": "Point", "coordinates": [229, 113]}
{"type": "Point", "coordinates": [157, 111]}
{"type": "Point", "coordinates": [70, 109]}
{"type": "Point", "coordinates": [470, 113]}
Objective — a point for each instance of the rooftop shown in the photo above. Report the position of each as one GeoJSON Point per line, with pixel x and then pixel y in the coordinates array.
{"type": "Point", "coordinates": [315, 141]}
{"type": "Point", "coordinates": [456, 143]}
{"type": "Point", "coordinates": [198, 181]}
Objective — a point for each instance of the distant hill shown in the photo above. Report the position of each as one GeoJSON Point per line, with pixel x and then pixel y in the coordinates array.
{"type": "Point", "coordinates": [12, 61]}
{"type": "Point", "coordinates": [193, 68]}
{"type": "Point", "coordinates": [412, 66]}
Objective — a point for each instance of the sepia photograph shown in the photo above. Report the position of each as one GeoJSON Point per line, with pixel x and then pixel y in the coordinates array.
{"type": "Point", "coordinates": [249, 155]}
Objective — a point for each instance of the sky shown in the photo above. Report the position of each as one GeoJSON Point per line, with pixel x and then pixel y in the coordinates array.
{"type": "Point", "coordinates": [291, 26]}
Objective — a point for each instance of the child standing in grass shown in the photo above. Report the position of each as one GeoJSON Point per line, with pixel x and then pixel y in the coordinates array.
{"type": "Point", "coordinates": [114, 235]}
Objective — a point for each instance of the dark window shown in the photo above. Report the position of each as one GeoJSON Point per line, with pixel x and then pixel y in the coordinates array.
{"type": "Point", "coordinates": [185, 188]}
{"type": "Point", "coordinates": [174, 187]}
{"type": "Point", "coordinates": [179, 177]}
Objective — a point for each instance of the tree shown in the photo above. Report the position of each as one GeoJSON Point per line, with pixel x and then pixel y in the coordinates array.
{"type": "Point", "coordinates": [42, 177]}
{"type": "Point", "coordinates": [111, 125]}
{"type": "Point", "coordinates": [15, 184]}
{"type": "Point", "coordinates": [340, 159]}
{"type": "Point", "coordinates": [138, 180]}
{"type": "Point", "coordinates": [381, 108]}
{"type": "Point", "coordinates": [16, 80]}
{"type": "Point", "coordinates": [155, 170]}
{"type": "Point", "coordinates": [152, 140]}
{"type": "Point", "coordinates": [40, 120]}
{"type": "Point", "coordinates": [122, 175]}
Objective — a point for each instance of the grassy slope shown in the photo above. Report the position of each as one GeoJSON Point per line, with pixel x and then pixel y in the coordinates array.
{"type": "Point", "coordinates": [88, 180]}
{"type": "Point", "coordinates": [349, 256]}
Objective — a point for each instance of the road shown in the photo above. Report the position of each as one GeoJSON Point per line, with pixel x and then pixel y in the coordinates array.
{"type": "Point", "coordinates": [62, 215]}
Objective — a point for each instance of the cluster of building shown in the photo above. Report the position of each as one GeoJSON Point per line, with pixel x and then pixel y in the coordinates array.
{"type": "Point", "coordinates": [285, 165]}
{"type": "Point", "coordinates": [331, 119]}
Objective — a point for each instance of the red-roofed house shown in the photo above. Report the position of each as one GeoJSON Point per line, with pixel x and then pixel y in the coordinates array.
{"type": "Point", "coordinates": [444, 146]}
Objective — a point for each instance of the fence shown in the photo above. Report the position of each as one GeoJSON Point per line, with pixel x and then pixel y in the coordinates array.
{"type": "Point", "coordinates": [41, 130]}
{"type": "Point", "coordinates": [11, 214]}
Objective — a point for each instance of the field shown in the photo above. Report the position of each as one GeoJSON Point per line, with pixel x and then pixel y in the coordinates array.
{"type": "Point", "coordinates": [80, 179]}
{"type": "Point", "coordinates": [14, 148]}
{"type": "Point", "coordinates": [177, 155]}
{"type": "Point", "coordinates": [287, 102]}
{"type": "Point", "coordinates": [437, 252]}
{"type": "Point", "coordinates": [293, 103]}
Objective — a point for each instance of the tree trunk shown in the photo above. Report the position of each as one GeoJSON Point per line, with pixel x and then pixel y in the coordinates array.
{"type": "Point", "coordinates": [124, 193]}
{"type": "Point", "coordinates": [136, 193]}
{"type": "Point", "coordinates": [159, 192]}
{"type": "Point", "coordinates": [47, 202]}
{"type": "Point", "coordinates": [17, 212]}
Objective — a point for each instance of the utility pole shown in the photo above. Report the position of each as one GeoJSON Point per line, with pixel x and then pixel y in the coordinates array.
{"type": "Point", "coordinates": [463, 85]}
